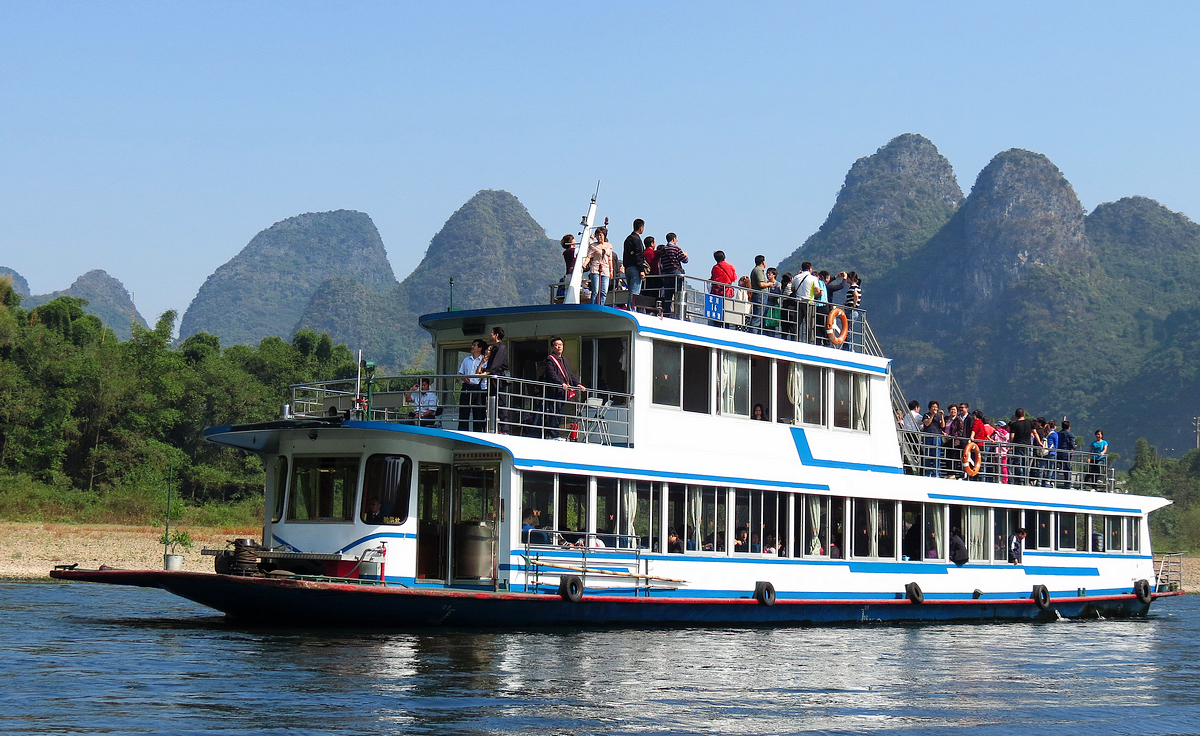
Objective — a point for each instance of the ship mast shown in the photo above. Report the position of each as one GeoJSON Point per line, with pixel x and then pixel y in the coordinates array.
{"type": "Point", "coordinates": [572, 294]}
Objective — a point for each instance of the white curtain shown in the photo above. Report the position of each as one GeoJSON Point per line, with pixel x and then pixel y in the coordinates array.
{"type": "Point", "coordinates": [728, 382]}
{"type": "Point", "coordinates": [814, 523]}
{"type": "Point", "coordinates": [977, 534]}
{"type": "Point", "coordinates": [629, 507]}
{"type": "Point", "coordinates": [694, 509]}
{"type": "Point", "coordinates": [873, 529]}
{"type": "Point", "coordinates": [861, 392]}
{"type": "Point", "coordinates": [934, 511]}
{"type": "Point", "coordinates": [795, 389]}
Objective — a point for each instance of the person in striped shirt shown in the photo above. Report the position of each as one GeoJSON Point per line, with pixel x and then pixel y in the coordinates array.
{"type": "Point", "coordinates": [853, 301]}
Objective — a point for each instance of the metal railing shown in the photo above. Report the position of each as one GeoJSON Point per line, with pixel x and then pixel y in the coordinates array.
{"type": "Point", "coordinates": [943, 456]}
{"type": "Point", "coordinates": [623, 564]}
{"type": "Point", "coordinates": [733, 307]}
{"type": "Point", "coordinates": [497, 405]}
{"type": "Point", "coordinates": [1169, 574]}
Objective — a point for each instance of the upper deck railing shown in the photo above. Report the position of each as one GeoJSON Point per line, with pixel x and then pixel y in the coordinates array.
{"type": "Point", "coordinates": [756, 311]}
{"type": "Point", "coordinates": [497, 406]}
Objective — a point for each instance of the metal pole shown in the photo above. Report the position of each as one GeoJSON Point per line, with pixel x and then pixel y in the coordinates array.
{"type": "Point", "coordinates": [1196, 421]}
{"type": "Point", "coordinates": [451, 309]}
{"type": "Point", "coordinates": [572, 293]}
{"type": "Point", "coordinates": [167, 534]}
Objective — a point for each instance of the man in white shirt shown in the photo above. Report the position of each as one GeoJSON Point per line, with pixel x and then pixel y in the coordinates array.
{"type": "Point", "coordinates": [472, 398]}
{"type": "Point", "coordinates": [424, 404]}
{"type": "Point", "coordinates": [805, 282]}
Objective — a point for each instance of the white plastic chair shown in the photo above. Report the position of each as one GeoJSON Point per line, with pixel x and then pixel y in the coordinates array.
{"type": "Point", "coordinates": [595, 421]}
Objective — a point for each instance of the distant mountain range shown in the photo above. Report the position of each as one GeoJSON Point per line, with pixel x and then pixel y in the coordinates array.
{"type": "Point", "coordinates": [1010, 296]}
{"type": "Point", "coordinates": [107, 299]}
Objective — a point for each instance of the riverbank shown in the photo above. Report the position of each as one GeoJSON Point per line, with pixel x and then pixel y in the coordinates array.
{"type": "Point", "coordinates": [30, 550]}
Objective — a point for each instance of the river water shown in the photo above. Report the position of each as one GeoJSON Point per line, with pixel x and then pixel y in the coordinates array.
{"type": "Point", "coordinates": [82, 658]}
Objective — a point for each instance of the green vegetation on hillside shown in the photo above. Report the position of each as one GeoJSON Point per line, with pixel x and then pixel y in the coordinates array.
{"type": "Point", "coordinates": [91, 426]}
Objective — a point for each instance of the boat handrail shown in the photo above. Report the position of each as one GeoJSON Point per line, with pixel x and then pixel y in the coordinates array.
{"type": "Point", "coordinates": [504, 405]}
{"type": "Point", "coordinates": [749, 310]}
{"type": "Point", "coordinates": [940, 455]}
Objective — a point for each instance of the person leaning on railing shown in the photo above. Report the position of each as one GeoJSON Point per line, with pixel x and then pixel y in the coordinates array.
{"type": "Point", "coordinates": [558, 372]}
{"type": "Point", "coordinates": [670, 263]}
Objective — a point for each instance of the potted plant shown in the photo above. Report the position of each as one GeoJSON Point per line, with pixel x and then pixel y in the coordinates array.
{"type": "Point", "coordinates": [173, 543]}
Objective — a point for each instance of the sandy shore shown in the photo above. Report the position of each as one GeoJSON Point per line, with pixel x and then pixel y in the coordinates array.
{"type": "Point", "coordinates": [31, 550]}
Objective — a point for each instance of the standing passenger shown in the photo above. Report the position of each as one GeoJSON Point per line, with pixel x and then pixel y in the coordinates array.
{"type": "Point", "coordinates": [1016, 545]}
{"type": "Point", "coordinates": [1099, 459]}
{"type": "Point", "coordinates": [1066, 444]}
{"type": "Point", "coordinates": [670, 262]}
{"type": "Point", "coordinates": [471, 401]}
{"type": "Point", "coordinates": [600, 265]}
{"type": "Point", "coordinates": [558, 372]}
{"type": "Point", "coordinates": [759, 283]}
{"type": "Point", "coordinates": [634, 258]}
{"type": "Point", "coordinates": [496, 366]}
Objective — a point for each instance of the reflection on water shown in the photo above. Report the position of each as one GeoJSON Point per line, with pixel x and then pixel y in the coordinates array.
{"type": "Point", "coordinates": [94, 658]}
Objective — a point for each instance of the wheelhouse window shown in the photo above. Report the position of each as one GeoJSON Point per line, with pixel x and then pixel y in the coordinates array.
{"type": "Point", "coordinates": [1112, 530]}
{"type": "Point", "coordinates": [281, 479]}
{"type": "Point", "coordinates": [386, 485]}
{"type": "Point", "coordinates": [667, 365]}
{"type": "Point", "coordinates": [1133, 534]}
{"type": "Point", "coordinates": [323, 488]}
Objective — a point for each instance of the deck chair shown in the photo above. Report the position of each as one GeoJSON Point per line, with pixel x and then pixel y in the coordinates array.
{"type": "Point", "coordinates": [595, 419]}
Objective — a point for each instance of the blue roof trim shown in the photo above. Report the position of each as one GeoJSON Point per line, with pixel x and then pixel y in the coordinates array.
{"type": "Point", "coordinates": [1035, 570]}
{"type": "Point", "coordinates": [218, 430]}
{"type": "Point", "coordinates": [646, 329]}
{"type": "Point", "coordinates": [1097, 555]}
{"type": "Point", "coordinates": [806, 458]}
{"type": "Point", "coordinates": [472, 438]}
{"type": "Point", "coordinates": [530, 463]}
{"type": "Point", "coordinates": [1039, 504]}
{"type": "Point", "coordinates": [425, 319]}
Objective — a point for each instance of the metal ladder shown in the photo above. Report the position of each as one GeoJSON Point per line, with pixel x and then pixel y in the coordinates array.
{"type": "Point", "coordinates": [1169, 577]}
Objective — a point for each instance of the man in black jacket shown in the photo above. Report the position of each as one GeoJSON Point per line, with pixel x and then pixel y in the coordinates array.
{"type": "Point", "coordinates": [496, 366]}
{"type": "Point", "coordinates": [565, 386]}
{"type": "Point", "coordinates": [634, 259]}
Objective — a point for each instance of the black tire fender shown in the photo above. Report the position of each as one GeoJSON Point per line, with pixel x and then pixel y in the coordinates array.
{"type": "Point", "coordinates": [1041, 596]}
{"type": "Point", "coordinates": [912, 591]}
{"type": "Point", "coordinates": [1143, 592]}
{"type": "Point", "coordinates": [764, 593]}
{"type": "Point", "coordinates": [570, 588]}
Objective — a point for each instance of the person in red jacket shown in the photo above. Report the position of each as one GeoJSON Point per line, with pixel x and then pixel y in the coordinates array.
{"type": "Point", "coordinates": [723, 272]}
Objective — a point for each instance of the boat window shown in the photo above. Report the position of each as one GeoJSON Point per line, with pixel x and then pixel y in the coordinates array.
{"type": "Point", "coordinates": [608, 512]}
{"type": "Point", "coordinates": [1133, 534]}
{"type": "Point", "coordinates": [706, 524]}
{"type": "Point", "coordinates": [760, 385]}
{"type": "Point", "coordinates": [537, 501]}
{"type": "Point", "coordinates": [646, 521]}
{"type": "Point", "coordinates": [874, 528]}
{"type": "Point", "coordinates": [808, 390]}
{"type": "Point", "coordinates": [386, 488]}
{"type": "Point", "coordinates": [735, 384]}
{"type": "Point", "coordinates": [667, 363]}
{"type": "Point", "coordinates": [913, 527]}
{"type": "Point", "coordinates": [281, 479]}
{"type": "Point", "coordinates": [1097, 526]}
{"type": "Point", "coordinates": [1038, 525]}
{"type": "Point", "coordinates": [935, 532]}
{"type": "Point", "coordinates": [741, 521]}
{"type": "Point", "coordinates": [1112, 530]}
{"type": "Point", "coordinates": [571, 513]}
{"type": "Point", "coordinates": [604, 363]}
{"type": "Point", "coordinates": [977, 533]}
{"type": "Point", "coordinates": [785, 404]}
{"type": "Point", "coordinates": [323, 488]}
{"type": "Point", "coordinates": [1005, 523]}
{"type": "Point", "coordinates": [774, 522]}
{"type": "Point", "coordinates": [816, 524]}
{"type": "Point", "coordinates": [837, 528]}
{"type": "Point", "coordinates": [850, 393]}
{"type": "Point", "coordinates": [696, 375]}
{"type": "Point", "coordinates": [676, 512]}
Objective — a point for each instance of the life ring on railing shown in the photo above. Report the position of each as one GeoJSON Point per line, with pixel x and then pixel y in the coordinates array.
{"type": "Point", "coordinates": [837, 315]}
{"type": "Point", "coordinates": [1041, 596]}
{"type": "Point", "coordinates": [972, 467]}
{"type": "Point", "coordinates": [1142, 590]}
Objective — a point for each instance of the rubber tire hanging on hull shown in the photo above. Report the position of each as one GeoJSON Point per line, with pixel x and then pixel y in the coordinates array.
{"type": "Point", "coordinates": [764, 593]}
{"type": "Point", "coordinates": [912, 591]}
{"type": "Point", "coordinates": [1041, 596]}
{"type": "Point", "coordinates": [1142, 590]}
{"type": "Point", "coordinates": [570, 588]}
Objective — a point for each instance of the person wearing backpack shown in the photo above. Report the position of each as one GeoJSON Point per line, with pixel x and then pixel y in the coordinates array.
{"type": "Point", "coordinates": [1066, 445]}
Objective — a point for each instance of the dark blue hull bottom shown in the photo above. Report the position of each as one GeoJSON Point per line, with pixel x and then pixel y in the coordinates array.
{"type": "Point", "coordinates": [303, 602]}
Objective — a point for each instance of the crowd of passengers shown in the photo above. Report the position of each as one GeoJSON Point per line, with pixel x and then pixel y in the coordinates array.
{"type": "Point", "coordinates": [782, 305]}
{"type": "Point", "coordinates": [1021, 450]}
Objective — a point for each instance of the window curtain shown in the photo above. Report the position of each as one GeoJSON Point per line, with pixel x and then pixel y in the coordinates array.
{"type": "Point", "coordinates": [694, 512]}
{"type": "Point", "coordinates": [728, 383]}
{"type": "Point", "coordinates": [978, 533]}
{"type": "Point", "coordinates": [629, 506]}
{"type": "Point", "coordinates": [861, 392]}
{"type": "Point", "coordinates": [933, 511]}
{"type": "Point", "coordinates": [873, 529]}
{"type": "Point", "coordinates": [814, 523]}
{"type": "Point", "coordinates": [795, 389]}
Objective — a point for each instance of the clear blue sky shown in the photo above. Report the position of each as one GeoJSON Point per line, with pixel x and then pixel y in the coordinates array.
{"type": "Point", "coordinates": [153, 140]}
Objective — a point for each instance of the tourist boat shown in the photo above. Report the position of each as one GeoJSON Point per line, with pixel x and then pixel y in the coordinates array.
{"type": "Point", "coordinates": [654, 496]}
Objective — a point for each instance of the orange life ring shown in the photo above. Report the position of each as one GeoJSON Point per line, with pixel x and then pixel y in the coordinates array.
{"type": "Point", "coordinates": [837, 315]}
{"type": "Point", "coordinates": [972, 468]}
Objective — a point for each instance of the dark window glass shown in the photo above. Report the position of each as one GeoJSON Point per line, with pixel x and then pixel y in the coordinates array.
{"type": "Point", "coordinates": [386, 489]}
{"type": "Point", "coordinates": [665, 383]}
{"type": "Point", "coordinates": [281, 479]}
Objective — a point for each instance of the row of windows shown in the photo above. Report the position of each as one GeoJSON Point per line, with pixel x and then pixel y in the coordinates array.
{"type": "Point", "coordinates": [685, 376]}
{"type": "Point", "coordinates": [323, 488]}
{"type": "Point", "coordinates": [724, 521]}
